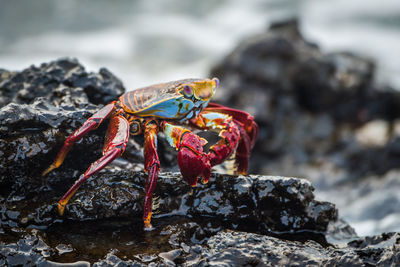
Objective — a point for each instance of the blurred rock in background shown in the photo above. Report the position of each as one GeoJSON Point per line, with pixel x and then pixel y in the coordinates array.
{"type": "Point", "coordinates": [321, 116]}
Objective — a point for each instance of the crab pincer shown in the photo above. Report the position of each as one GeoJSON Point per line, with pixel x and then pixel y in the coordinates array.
{"type": "Point", "coordinates": [193, 162]}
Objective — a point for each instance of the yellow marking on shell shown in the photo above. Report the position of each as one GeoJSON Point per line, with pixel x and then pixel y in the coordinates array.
{"type": "Point", "coordinates": [130, 103]}
{"type": "Point", "coordinates": [141, 99]}
{"type": "Point", "coordinates": [122, 101]}
{"type": "Point", "coordinates": [136, 102]}
{"type": "Point", "coordinates": [204, 90]}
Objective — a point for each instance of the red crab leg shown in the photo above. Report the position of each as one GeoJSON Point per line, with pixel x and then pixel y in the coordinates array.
{"type": "Point", "coordinates": [229, 134]}
{"type": "Point", "coordinates": [193, 162]}
{"type": "Point", "coordinates": [248, 131]}
{"type": "Point", "coordinates": [92, 123]}
{"type": "Point", "coordinates": [152, 167]}
{"type": "Point", "coordinates": [114, 145]}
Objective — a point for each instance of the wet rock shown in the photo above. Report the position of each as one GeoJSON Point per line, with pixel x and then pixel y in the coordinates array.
{"type": "Point", "coordinates": [48, 103]}
{"type": "Point", "coordinates": [32, 131]}
{"type": "Point", "coordinates": [230, 248]}
{"type": "Point", "coordinates": [30, 250]}
{"type": "Point", "coordinates": [321, 115]}
{"type": "Point", "coordinates": [102, 223]}
{"type": "Point", "coordinates": [243, 249]}
{"type": "Point", "coordinates": [253, 203]}
{"type": "Point", "coordinates": [56, 80]}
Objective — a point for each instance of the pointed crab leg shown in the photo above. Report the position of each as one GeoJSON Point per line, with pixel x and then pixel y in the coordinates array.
{"type": "Point", "coordinates": [248, 133]}
{"type": "Point", "coordinates": [92, 123]}
{"type": "Point", "coordinates": [152, 167]}
{"type": "Point", "coordinates": [115, 143]}
{"type": "Point", "coordinates": [193, 162]}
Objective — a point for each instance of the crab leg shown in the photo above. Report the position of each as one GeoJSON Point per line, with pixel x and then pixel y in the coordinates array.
{"type": "Point", "coordinates": [152, 167]}
{"type": "Point", "coordinates": [192, 161]}
{"type": "Point", "coordinates": [228, 131]}
{"type": "Point", "coordinates": [115, 143]}
{"type": "Point", "coordinates": [92, 123]}
{"type": "Point", "coordinates": [248, 133]}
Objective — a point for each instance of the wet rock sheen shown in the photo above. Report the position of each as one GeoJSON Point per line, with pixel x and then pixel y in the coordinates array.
{"type": "Point", "coordinates": [245, 220]}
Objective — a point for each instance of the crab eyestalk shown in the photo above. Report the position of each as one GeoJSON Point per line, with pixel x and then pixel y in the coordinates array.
{"type": "Point", "coordinates": [202, 90]}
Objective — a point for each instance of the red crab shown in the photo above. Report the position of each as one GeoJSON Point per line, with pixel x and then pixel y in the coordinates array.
{"type": "Point", "coordinates": [164, 107]}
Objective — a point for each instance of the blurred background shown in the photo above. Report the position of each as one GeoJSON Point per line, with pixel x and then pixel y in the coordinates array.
{"type": "Point", "coordinates": [143, 42]}
{"type": "Point", "coordinates": [350, 150]}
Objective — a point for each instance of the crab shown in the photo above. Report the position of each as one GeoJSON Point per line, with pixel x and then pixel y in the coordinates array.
{"type": "Point", "coordinates": [171, 108]}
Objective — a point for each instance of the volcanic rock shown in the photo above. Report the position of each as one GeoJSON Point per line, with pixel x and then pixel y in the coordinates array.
{"type": "Point", "coordinates": [255, 219]}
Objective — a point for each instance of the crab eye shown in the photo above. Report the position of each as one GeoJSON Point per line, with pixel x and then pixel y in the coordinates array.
{"type": "Point", "coordinates": [216, 80]}
{"type": "Point", "coordinates": [187, 90]}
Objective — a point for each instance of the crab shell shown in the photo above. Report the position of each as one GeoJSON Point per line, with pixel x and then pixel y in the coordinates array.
{"type": "Point", "coordinates": [178, 100]}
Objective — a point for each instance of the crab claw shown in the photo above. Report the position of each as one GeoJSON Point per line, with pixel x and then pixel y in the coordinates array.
{"type": "Point", "coordinates": [193, 162]}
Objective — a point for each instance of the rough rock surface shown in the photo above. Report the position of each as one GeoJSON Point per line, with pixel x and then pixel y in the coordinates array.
{"type": "Point", "coordinates": [47, 104]}
{"type": "Point", "coordinates": [264, 204]}
{"type": "Point", "coordinates": [309, 103]}
{"type": "Point", "coordinates": [245, 220]}
{"type": "Point", "coordinates": [321, 116]}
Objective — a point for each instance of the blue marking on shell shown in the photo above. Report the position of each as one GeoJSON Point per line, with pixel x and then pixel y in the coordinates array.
{"type": "Point", "coordinates": [169, 109]}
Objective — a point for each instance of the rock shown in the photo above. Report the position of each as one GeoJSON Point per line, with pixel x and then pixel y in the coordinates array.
{"type": "Point", "coordinates": [283, 66]}
{"type": "Point", "coordinates": [61, 82]}
{"type": "Point", "coordinates": [30, 250]}
{"type": "Point", "coordinates": [48, 103]}
{"type": "Point", "coordinates": [304, 100]}
{"type": "Point", "coordinates": [255, 203]}
{"type": "Point", "coordinates": [321, 115]}
{"type": "Point", "coordinates": [230, 248]}
{"type": "Point", "coordinates": [102, 226]}
{"type": "Point", "coordinates": [243, 249]}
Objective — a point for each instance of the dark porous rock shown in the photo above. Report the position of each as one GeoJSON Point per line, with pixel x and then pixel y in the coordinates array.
{"type": "Point", "coordinates": [50, 79]}
{"type": "Point", "coordinates": [48, 103]}
{"type": "Point", "coordinates": [253, 203]}
{"type": "Point", "coordinates": [247, 249]}
{"type": "Point", "coordinates": [308, 103]}
{"type": "Point", "coordinates": [102, 223]}
{"type": "Point", "coordinates": [282, 66]}
{"type": "Point", "coordinates": [321, 116]}
{"type": "Point", "coordinates": [30, 250]}
{"type": "Point", "coordinates": [253, 220]}
{"type": "Point", "coordinates": [177, 244]}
